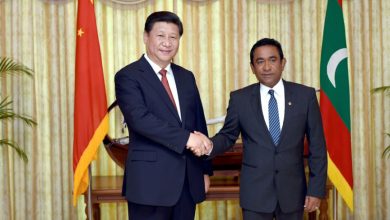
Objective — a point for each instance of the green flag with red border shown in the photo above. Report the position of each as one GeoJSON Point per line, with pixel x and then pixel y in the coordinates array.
{"type": "Point", "coordinates": [335, 102]}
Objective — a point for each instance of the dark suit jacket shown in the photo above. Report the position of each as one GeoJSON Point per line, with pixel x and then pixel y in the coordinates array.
{"type": "Point", "coordinates": [158, 162]}
{"type": "Point", "coordinates": [270, 173]}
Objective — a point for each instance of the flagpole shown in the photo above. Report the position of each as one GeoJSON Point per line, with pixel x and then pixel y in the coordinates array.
{"type": "Point", "coordinates": [90, 217]}
{"type": "Point", "coordinates": [334, 203]}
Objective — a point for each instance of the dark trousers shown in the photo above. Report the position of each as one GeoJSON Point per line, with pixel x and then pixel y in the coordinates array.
{"type": "Point", "coordinates": [184, 209]}
{"type": "Point", "coordinates": [277, 214]}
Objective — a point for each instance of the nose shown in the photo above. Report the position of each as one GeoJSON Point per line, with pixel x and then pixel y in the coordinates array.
{"type": "Point", "coordinates": [166, 42]}
{"type": "Point", "coordinates": [266, 65]}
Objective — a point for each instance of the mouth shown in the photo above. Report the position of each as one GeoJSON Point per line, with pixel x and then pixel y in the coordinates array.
{"type": "Point", "coordinates": [267, 75]}
{"type": "Point", "coordinates": [166, 52]}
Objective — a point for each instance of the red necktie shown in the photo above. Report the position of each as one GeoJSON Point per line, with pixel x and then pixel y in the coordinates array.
{"type": "Point", "coordinates": [165, 83]}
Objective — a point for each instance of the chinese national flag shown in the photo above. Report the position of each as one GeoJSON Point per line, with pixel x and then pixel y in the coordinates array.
{"type": "Point", "coordinates": [334, 101]}
{"type": "Point", "coordinates": [90, 104]}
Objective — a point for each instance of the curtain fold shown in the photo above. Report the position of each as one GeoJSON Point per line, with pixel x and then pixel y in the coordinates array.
{"type": "Point", "coordinates": [218, 36]}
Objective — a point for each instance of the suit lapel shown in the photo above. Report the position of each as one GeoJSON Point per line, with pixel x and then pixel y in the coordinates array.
{"type": "Point", "coordinates": [180, 86]}
{"type": "Point", "coordinates": [256, 104]}
{"type": "Point", "coordinates": [288, 102]}
{"type": "Point", "coordinates": [151, 77]}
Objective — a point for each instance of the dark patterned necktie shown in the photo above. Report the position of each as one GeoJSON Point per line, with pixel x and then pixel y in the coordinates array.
{"type": "Point", "coordinates": [273, 114]}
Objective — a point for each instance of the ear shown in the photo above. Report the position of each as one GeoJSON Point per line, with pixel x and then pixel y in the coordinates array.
{"type": "Point", "coordinates": [253, 69]}
{"type": "Point", "coordinates": [146, 36]}
{"type": "Point", "coordinates": [284, 61]}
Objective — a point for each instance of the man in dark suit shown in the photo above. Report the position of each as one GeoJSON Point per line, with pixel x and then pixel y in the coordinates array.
{"type": "Point", "coordinates": [162, 107]}
{"type": "Point", "coordinates": [273, 126]}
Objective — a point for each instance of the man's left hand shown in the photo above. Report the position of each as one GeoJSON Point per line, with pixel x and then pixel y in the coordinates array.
{"type": "Point", "coordinates": [312, 203]}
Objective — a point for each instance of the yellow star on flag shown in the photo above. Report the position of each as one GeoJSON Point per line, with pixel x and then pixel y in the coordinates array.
{"type": "Point", "coordinates": [80, 32]}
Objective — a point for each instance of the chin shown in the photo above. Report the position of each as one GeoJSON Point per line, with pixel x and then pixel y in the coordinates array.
{"type": "Point", "coordinates": [269, 84]}
{"type": "Point", "coordinates": [166, 57]}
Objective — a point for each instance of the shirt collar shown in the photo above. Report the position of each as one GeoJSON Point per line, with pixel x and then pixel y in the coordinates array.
{"type": "Point", "coordinates": [157, 68]}
{"type": "Point", "coordinates": [278, 88]}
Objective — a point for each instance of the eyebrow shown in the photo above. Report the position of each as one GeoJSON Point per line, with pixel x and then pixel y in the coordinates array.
{"type": "Point", "coordinates": [271, 57]}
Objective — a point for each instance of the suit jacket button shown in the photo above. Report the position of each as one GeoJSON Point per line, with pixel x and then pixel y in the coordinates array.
{"type": "Point", "coordinates": [276, 171]}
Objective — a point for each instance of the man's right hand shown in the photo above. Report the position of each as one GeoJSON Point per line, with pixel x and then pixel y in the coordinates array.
{"type": "Point", "coordinates": [199, 144]}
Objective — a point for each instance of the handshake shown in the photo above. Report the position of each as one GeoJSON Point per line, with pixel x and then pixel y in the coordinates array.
{"type": "Point", "coordinates": [199, 144]}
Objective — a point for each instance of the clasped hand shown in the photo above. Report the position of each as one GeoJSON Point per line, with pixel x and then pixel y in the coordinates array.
{"type": "Point", "coordinates": [199, 144]}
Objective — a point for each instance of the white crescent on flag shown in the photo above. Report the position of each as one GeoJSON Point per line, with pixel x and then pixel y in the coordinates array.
{"type": "Point", "coordinates": [334, 61]}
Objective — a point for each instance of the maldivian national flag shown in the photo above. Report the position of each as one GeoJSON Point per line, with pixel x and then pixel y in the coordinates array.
{"type": "Point", "coordinates": [90, 104]}
{"type": "Point", "coordinates": [334, 101]}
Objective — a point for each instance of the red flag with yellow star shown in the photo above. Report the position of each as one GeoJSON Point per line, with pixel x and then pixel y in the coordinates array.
{"type": "Point", "coordinates": [90, 104]}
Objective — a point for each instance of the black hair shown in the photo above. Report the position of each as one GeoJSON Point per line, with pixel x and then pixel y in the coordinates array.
{"type": "Point", "coordinates": [163, 16]}
{"type": "Point", "coordinates": [264, 42]}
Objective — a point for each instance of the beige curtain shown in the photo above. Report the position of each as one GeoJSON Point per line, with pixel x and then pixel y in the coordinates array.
{"type": "Point", "coordinates": [218, 35]}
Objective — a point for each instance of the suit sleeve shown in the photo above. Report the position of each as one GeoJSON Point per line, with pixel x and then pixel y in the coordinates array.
{"type": "Point", "coordinates": [230, 131]}
{"type": "Point", "coordinates": [131, 102]}
{"type": "Point", "coordinates": [317, 150]}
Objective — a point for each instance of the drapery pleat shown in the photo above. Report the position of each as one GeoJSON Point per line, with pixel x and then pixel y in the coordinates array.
{"type": "Point", "coordinates": [218, 35]}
